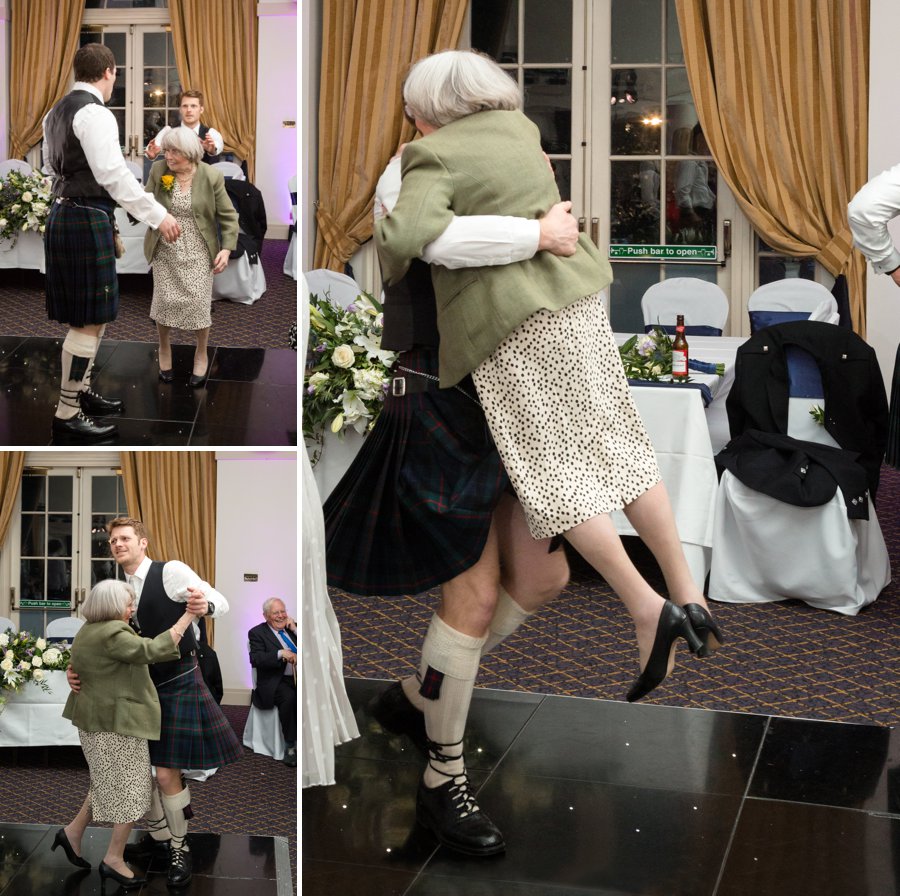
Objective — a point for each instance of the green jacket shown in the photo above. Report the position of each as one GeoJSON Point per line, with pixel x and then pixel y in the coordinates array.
{"type": "Point", "coordinates": [209, 202]}
{"type": "Point", "coordinates": [489, 163]}
{"type": "Point", "coordinates": [116, 692]}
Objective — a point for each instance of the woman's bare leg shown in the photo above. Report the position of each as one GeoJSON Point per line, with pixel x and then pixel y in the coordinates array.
{"type": "Point", "coordinates": [165, 347]}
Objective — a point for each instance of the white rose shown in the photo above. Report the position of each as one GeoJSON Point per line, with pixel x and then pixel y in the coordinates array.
{"type": "Point", "coordinates": [25, 666]}
{"type": "Point", "coordinates": [3, 223]}
{"type": "Point", "coordinates": [27, 197]}
{"type": "Point", "coordinates": [40, 644]}
{"type": "Point", "coordinates": [4, 639]}
{"type": "Point", "coordinates": [6, 665]}
{"type": "Point", "coordinates": [51, 656]}
{"type": "Point", "coordinates": [38, 675]}
{"type": "Point", "coordinates": [343, 356]}
{"type": "Point", "coordinates": [9, 654]}
{"type": "Point", "coordinates": [318, 379]}
{"type": "Point", "coordinates": [37, 662]}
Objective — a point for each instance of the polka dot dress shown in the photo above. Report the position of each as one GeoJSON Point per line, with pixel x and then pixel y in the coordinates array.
{"type": "Point", "coordinates": [182, 273]}
{"type": "Point", "coordinates": [561, 413]}
{"type": "Point", "coordinates": [119, 767]}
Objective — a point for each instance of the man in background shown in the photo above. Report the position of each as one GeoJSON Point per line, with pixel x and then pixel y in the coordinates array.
{"type": "Point", "coordinates": [191, 109]}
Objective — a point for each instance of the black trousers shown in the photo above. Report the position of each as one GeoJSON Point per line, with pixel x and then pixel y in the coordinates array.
{"type": "Point", "coordinates": [286, 704]}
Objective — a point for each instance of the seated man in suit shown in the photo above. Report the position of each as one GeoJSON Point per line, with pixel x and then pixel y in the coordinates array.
{"type": "Point", "coordinates": [191, 109]}
{"type": "Point", "coordinates": [273, 653]}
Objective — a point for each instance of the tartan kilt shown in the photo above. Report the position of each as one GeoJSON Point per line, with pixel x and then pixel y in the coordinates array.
{"type": "Point", "coordinates": [80, 255]}
{"type": "Point", "coordinates": [194, 732]}
{"type": "Point", "coordinates": [414, 508]}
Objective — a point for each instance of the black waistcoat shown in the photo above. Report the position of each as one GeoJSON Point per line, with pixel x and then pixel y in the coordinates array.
{"type": "Point", "coordinates": [157, 612]}
{"type": "Point", "coordinates": [209, 158]}
{"type": "Point", "coordinates": [74, 177]}
{"type": "Point", "coordinates": [410, 313]}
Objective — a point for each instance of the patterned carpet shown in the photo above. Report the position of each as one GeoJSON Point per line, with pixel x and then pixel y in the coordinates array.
{"type": "Point", "coordinates": [265, 324]}
{"type": "Point", "coordinates": [256, 795]}
{"type": "Point", "coordinates": [783, 659]}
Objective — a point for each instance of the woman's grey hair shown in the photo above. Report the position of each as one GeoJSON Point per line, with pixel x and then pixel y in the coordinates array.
{"type": "Point", "coordinates": [107, 600]}
{"type": "Point", "coordinates": [185, 141]}
{"type": "Point", "coordinates": [447, 86]}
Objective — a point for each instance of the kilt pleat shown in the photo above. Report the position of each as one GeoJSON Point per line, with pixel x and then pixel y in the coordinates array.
{"type": "Point", "coordinates": [414, 508]}
{"type": "Point", "coordinates": [194, 732]}
{"type": "Point", "coordinates": [79, 248]}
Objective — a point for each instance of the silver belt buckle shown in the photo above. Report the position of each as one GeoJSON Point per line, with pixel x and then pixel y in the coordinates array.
{"type": "Point", "coordinates": [398, 386]}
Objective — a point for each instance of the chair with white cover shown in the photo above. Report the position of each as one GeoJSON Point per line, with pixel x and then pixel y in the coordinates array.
{"type": "Point", "coordinates": [262, 732]}
{"type": "Point", "coordinates": [230, 169]}
{"type": "Point", "coordinates": [66, 627]}
{"type": "Point", "coordinates": [338, 287]}
{"type": "Point", "coordinates": [136, 168]}
{"type": "Point", "coordinates": [703, 304]}
{"type": "Point", "coordinates": [15, 165]}
{"type": "Point", "coordinates": [794, 298]}
{"type": "Point", "coordinates": [290, 259]}
{"type": "Point", "coordinates": [6, 623]}
{"type": "Point", "coordinates": [132, 234]}
{"type": "Point", "coordinates": [822, 544]}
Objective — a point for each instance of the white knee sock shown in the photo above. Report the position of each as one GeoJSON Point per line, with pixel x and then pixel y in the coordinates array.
{"type": "Point", "coordinates": [508, 616]}
{"type": "Point", "coordinates": [156, 817]}
{"type": "Point", "coordinates": [78, 352]}
{"type": "Point", "coordinates": [174, 807]}
{"type": "Point", "coordinates": [450, 663]}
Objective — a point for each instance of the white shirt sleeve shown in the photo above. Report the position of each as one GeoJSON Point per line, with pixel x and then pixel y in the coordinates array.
{"type": "Point", "coordinates": [469, 241]}
{"type": "Point", "coordinates": [158, 138]}
{"type": "Point", "coordinates": [217, 137]}
{"type": "Point", "coordinates": [96, 129]}
{"type": "Point", "coordinates": [178, 577]}
{"type": "Point", "coordinates": [869, 212]}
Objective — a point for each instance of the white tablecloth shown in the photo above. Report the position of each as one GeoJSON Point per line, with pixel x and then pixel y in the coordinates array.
{"type": "Point", "coordinates": [33, 717]}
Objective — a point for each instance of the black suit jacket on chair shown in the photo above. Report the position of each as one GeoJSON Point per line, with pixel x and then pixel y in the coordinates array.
{"type": "Point", "coordinates": [856, 409]}
{"type": "Point", "coordinates": [264, 647]}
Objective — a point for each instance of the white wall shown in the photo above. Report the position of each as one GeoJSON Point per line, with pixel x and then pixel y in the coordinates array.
{"type": "Point", "coordinates": [310, 53]}
{"type": "Point", "coordinates": [883, 297]}
{"type": "Point", "coordinates": [4, 78]}
{"type": "Point", "coordinates": [276, 103]}
{"type": "Point", "coordinates": [256, 532]}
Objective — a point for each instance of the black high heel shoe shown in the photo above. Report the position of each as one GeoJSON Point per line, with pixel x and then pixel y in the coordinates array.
{"type": "Point", "coordinates": [62, 840]}
{"type": "Point", "coordinates": [166, 376]}
{"type": "Point", "coordinates": [673, 624]}
{"type": "Point", "coordinates": [127, 883]}
{"type": "Point", "coordinates": [706, 628]}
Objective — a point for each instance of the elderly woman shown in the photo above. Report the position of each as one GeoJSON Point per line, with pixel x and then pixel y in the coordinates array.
{"type": "Point", "coordinates": [116, 712]}
{"type": "Point", "coordinates": [183, 270]}
{"type": "Point", "coordinates": [535, 337]}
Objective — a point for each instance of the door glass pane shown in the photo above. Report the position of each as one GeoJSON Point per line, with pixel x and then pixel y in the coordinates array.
{"type": "Point", "coordinates": [691, 202]}
{"type": "Point", "coordinates": [161, 87]}
{"type": "Point", "coordinates": [681, 115]}
{"type": "Point", "coordinates": [31, 579]}
{"type": "Point", "coordinates": [674, 50]}
{"type": "Point", "coordinates": [636, 31]}
{"type": "Point", "coordinates": [99, 536]}
{"type": "Point", "coordinates": [60, 494]}
{"type": "Point", "coordinates": [548, 31]}
{"type": "Point", "coordinates": [34, 493]}
{"type": "Point", "coordinates": [548, 103]}
{"type": "Point", "coordinates": [105, 569]}
{"type": "Point", "coordinates": [630, 282]}
{"type": "Point", "coordinates": [59, 578]}
{"type": "Point", "coordinates": [562, 170]}
{"type": "Point", "coordinates": [495, 29]}
{"type": "Point", "coordinates": [103, 493]}
{"type": "Point", "coordinates": [636, 112]}
{"type": "Point", "coordinates": [634, 212]}
{"type": "Point", "coordinates": [32, 535]}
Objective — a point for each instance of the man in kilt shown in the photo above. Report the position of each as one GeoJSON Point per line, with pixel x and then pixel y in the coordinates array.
{"type": "Point", "coordinates": [427, 502]}
{"type": "Point", "coordinates": [82, 151]}
{"type": "Point", "coordinates": [194, 732]}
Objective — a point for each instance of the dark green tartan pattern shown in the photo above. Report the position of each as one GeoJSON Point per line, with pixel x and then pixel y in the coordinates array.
{"type": "Point", "coordinates": [414, 508]}
{"type": "Point", "coordinates": [195, 732]}
{"type": "Point", "coordinates": [79, 248]}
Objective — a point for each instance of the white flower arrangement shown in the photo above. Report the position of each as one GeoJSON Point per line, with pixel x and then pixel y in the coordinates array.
{"type": "Point", "coordinates": [25, 202]}
{"type": "Point", "coordinates": [27, 658]}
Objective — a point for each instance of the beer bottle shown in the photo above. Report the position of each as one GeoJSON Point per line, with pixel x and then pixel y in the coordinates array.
{"type": "Point", "coordinates": [679, 352]}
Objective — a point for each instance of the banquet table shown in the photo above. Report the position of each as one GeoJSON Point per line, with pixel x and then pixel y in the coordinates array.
{"type": "Point", "coordinates": [33, 717]}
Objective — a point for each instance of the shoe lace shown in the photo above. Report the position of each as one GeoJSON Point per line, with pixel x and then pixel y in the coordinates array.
{"type": "Point", "coordinates": [463, 800]}
{"type": "Point", "coordinates": [82, 416]}
{"type": "Point", "coordinates": [178, 857]}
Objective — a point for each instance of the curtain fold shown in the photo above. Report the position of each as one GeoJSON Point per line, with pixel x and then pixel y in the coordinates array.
{"type": "Point", "coordinates": [11, 465]}
{"type": "Point", "coordinates": [43, 41]}
{"type": "Point", "coordinates": [367, 49]}
{"type": "Point", "coordinates": [216, 48]}
{"type": "Point", "coordinates": [174, 494]}
{"type": "Point", "coordinates": [781, 91]}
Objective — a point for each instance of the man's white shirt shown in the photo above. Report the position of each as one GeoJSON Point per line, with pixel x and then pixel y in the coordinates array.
{"type": "Point", "coordinates": [177, 578]}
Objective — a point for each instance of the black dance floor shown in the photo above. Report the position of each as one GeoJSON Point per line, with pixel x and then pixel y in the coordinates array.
{"type": "Point", "coordinates": [602, 797]}
{"type": "Point", "coordinates": [249, 399]}
{"type": "Point", "coordinates": [224, 865]}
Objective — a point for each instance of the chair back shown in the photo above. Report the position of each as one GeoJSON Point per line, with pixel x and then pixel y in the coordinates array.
{"type": "Point", "coordinates": [136, 168]}
{"type": "Point", "coordinates": [67, 627]}
{"type": "Point", "coordinates": [331, 284]}
{"type": "Point", "coordinates": [230, 170]}
{"type": "Point", "coordinates": [5, 623]}
{"type": "Point", "coordinates": [794, 298]}
{"type": "Point", "coordinates": [703, 304]}
{"type": "Point", "coordinates": [290, 258]}
{"type": "Point", "coordinates": [15, 165]}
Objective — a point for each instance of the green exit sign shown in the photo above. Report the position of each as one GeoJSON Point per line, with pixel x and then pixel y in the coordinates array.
{"type": "Point", "coordinates": [45, 604]}
{"type": "Point", "coordinates": [663, 253]}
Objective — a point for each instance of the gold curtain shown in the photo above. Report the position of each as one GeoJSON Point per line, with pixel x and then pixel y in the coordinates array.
{"type": "Point", "coordinates": [174, 494]}
{"type": "Point", "coordinates": [216, 51]}
{"type": "Point", "coordinates": [367, 49]}
{"type": "Point", "coordinates": [43, 41]}
{"type": "Point", "coordinates": [11, 465]}
{"type": "Point", "coordinates": [781, 89]}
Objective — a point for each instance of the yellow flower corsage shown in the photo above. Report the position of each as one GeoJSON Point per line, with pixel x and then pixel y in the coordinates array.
{"type": "Point", "coordinates": [167, 181]}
